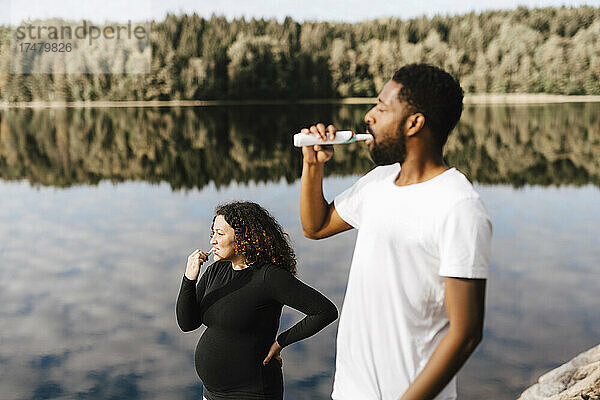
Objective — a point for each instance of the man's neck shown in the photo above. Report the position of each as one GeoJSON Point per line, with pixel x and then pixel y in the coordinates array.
{"type": "Point", "coordinates": [420, 170]}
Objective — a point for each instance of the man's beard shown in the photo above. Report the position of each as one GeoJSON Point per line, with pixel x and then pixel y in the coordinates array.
{"type": "Point", "coordinates": [391, 150]}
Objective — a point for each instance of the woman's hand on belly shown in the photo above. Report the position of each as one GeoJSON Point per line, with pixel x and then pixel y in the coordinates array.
{"type": "Point", "coordinates": [274, 352]}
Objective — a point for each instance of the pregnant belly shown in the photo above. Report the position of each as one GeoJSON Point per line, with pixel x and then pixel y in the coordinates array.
{"type": "Point", "coordinates": [228, 361]}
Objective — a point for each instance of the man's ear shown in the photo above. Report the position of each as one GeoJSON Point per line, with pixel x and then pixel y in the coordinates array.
{"type": "Point", "coordinates": [414, 124]}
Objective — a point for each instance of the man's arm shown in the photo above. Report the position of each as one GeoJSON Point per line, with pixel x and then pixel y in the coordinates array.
{"type": "Point", "coordinates": [319, 219]}
{"type": "Point", "coordinates": [465, 302]}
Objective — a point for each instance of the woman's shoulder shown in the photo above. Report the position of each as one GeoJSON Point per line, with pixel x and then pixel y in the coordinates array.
{"type": "Point", "coordinates": [267, 267]}
{"type": "Point", "coordinates": [273, 271]}
{"type": "Point", "coordinates": [216, 268]}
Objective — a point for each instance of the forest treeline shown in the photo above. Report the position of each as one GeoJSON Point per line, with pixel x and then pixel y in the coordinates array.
{"type": "Point", "coordinates": [549, 50]}
{"type": "Point", "coordinates": [193, 147]}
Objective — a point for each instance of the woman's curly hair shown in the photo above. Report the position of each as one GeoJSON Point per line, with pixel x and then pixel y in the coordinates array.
{"type": "Point", "coordinates": [258, 236]}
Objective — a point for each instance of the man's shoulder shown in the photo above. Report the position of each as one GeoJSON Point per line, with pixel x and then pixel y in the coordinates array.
{"type": "Point", "coordinates": [381, 172]}
{"type": "Point", "coordinates": [457, 186]}
{"type": "Point", "coordinates": [460, 196]}
{"type": "Point", "coordinates": [453, 191]}
{"type": "Point", "coordinates": [367, 183]}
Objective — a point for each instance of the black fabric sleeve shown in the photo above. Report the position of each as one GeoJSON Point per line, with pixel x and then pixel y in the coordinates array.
{"type": "Point", "coordinates": [188, 303]}
{"type": "Point", "coordinates": [287, 289]}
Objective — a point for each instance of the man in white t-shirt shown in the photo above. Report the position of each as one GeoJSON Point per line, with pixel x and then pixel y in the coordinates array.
{"type": "Point", "coordinates": [414, 306]}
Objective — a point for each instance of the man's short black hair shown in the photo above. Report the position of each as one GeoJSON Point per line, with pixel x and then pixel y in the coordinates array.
{"type": "Point", "coordinates": [434, 93]}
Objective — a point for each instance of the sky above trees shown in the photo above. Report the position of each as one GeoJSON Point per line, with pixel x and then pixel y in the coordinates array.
{"type": "Point", "coordinates": [349, 10]}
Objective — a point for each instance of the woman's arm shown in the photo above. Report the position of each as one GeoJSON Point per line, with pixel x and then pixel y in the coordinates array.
{"type": "Point", "coordinates": [288, 290]}
{"type": "Point", "coordinates": [190, 296]}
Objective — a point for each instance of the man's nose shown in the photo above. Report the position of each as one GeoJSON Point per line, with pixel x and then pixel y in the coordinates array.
{"type": "Point", "coordinates": [369, 118]}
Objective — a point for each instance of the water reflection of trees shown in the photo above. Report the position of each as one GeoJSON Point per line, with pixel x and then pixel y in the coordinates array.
{"type": "Point", "coordinates": [519, 145]}
{"type": "Point", "coordinates": [190, 147]}
{"type": "Point", "coordinates": [182, 146]}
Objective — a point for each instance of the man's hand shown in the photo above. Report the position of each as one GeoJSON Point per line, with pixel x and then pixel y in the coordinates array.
{"type": "Point", "coordinates": [465, 303]}
{"type": "Point", "coordinates": [318, 154]}
{"type": "Point", "coordinates": [274, 352]}
{"type": "Point", "coordinates": [319, 219]}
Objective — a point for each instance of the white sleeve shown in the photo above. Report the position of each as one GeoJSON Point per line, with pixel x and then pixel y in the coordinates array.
{"type": "Point", "coordinates": [349, 203]}
{"type": "Point", "coordinates": [465, 241]}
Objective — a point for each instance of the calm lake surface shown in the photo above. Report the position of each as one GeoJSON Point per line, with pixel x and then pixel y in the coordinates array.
{"type": "Point", "coordinates": [99, 209]}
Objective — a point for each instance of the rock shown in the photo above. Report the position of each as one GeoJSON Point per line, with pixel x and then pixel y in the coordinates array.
{"type": "Point", "coordinates": [578, 379]}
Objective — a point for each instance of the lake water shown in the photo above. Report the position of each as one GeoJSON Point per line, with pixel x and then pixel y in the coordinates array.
{"type": "Point", "coordinates": [100, 208]}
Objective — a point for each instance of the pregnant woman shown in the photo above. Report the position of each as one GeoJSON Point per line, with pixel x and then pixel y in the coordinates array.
{"type": "Point", "coordinates": [239, 298]}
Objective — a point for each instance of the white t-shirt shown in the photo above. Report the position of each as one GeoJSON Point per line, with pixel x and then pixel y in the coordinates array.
{"type": "Point", "coordinates": [409, 239]}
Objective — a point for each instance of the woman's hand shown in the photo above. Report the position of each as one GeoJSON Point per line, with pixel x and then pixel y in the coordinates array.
{"type": "Point", "coordinates": [274, 352]}
{"type": "Point", "coordinates": [194, 261]}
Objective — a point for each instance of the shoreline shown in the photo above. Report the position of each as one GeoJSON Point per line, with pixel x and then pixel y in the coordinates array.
{"type": "Point", "coordinates": [475, 99]}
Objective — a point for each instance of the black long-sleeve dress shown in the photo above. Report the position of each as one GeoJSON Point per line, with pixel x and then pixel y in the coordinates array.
{"type": "Point", "coordinates": [241, 309]}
